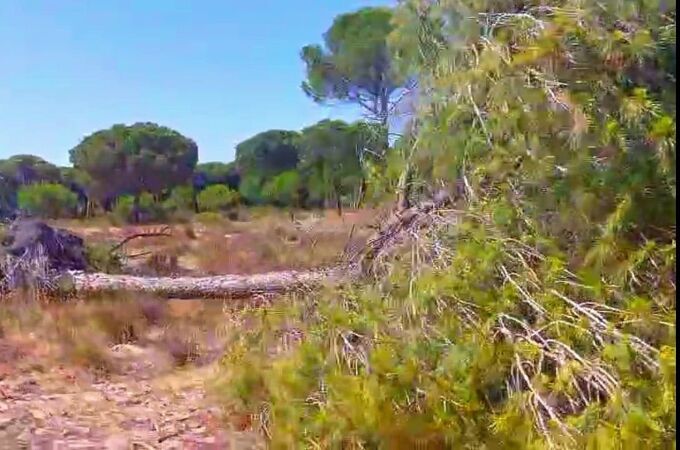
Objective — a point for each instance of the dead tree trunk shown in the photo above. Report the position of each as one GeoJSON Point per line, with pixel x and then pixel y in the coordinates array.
{"type": "Point", "coordinates": [81, 283]}
{"type": "Point", "coordinates": [222, 286]}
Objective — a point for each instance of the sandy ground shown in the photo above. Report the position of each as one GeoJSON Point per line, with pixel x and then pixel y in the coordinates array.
{"type": "Point", "coordinates": [147, 403]}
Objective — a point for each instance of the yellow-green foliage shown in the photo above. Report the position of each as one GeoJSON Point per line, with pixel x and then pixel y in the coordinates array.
{"type": "Point", "coordinates": [101, 259]}
{"type": "Point", "coordinates": [429, 362]}
{"type": "Point", "coordinates": [209, 217]}
{"type": "Point", "coordinates": [550, 322]}
{"type": "Point", "coordinates": [48, 200]}
{"type": "Point", "coordinates": [216, 198]}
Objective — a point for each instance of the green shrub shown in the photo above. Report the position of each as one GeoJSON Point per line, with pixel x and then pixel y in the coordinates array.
{"type": "Point", "coordinates": [217, 197]}
{"type": "Point", "coordinates": [546, 317]}
{"type": "Point", "coordinates": [181, 199]}
{"type": "Point", "coordinates": [425, 363]}
{"type": "Point", "coordinates": [148, 208]}
{"type": "Point", "coordinates": [283, 190]}
{"type": "Point", "coordinates": [250, 190]}
{"type": "Point", "coordinates": [122, 210]}
{"type": "Point", "coordinates": [100, 258]}
{"type": "Point", "coordinates": [47, 200]}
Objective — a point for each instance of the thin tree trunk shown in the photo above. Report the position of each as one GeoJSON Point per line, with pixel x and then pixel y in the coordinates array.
{"type": "Point", "coordinates": [135, 209]}
{"type": "Point", "coordinates": [338, 200]}
{"type": "Point", "coordinates": [362, 192]}
{"type": "Point", "coordinates": [194, 199]}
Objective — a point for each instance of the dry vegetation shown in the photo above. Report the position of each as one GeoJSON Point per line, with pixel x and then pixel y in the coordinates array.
{"type": "Point", "coordinates": [264, 240]}
{"type": "Point", "coordinates": [112, 372]}
{"type": "Point", "coordinates": [105, 368]}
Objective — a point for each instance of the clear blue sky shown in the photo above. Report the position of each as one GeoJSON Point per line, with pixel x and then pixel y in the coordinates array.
{"type": "Point", "coordinates": [217, 71]}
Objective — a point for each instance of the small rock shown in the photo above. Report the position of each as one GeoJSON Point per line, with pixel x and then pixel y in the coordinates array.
{"type": "Point", "coordinates": [5, 422]}
{"type": "Point", "coordinates": [91, 397]}
{"type": "Point", "coordinates": [39, 414]}
{"type": "Point", "coordinates": [117, 442]}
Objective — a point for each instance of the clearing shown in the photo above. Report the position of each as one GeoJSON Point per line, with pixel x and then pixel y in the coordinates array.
{"type": "Point", "coordinates": [131, 372]}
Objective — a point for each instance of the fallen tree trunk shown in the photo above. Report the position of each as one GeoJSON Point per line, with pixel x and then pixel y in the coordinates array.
{"type": "Point", "coordinates": [221, 286]}
{"type": "Point", "coordinates": [75, 281]}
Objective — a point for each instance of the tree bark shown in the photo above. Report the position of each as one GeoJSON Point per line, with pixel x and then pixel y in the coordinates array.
{"type": "Point", "coordinates": [338, 201]}
{"type": "Point", "coordinates": [362, 193]}
{"type": "Point", "coordinates": [135, 209]}
{"type": "Point", "coordinates": [223, 286]}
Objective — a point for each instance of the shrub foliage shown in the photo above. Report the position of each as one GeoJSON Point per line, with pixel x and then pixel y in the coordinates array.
{"type": "Point", "coordinates": [48, 200]}
{"type": "Point", "coordinates": [217, 198]}
{"type": "Point", "coordinates": [546, 317]}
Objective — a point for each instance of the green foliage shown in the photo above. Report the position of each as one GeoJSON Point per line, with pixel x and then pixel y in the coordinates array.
{"type": "Point", "coordinates": [20, 170]}
{"type": "Point", "coordinates": [209, 218]}
{"type": "Point", "coordinates": [425, 363]}
{"type": "Point", "coordinates": [284, 189]}
{"type": "Point", "coordinates": [149, 209]}
{"type": "Point", "coordinates": [28, 169]}
{"type": "Point", "coordinates": [267, 154]}
{"type": "Point", "coordinates": [330, 158]}
{"type": "Point", "coordinates": [47, 200]}
{"type": "Point", "coordinates": [181, 198]}
{"type": "Point", "coordinates": [217, 198]}
{"type": "Point", "coordinates": [218, 173]}
{"type": "Point", "coordinates": [250, 190]}
{"type": "Point", "coordinates": [123, 209]}
{"type": "Point", "coordinates": [143, 157]}
{"type": "Point", "coordinates": [100, 259]}
{"type": "Point", "coordinates": [143, 208]}
{"type": "Point", "coordinates": [355, 63]}
{"type": "Point", "coordinates": [546, 317]}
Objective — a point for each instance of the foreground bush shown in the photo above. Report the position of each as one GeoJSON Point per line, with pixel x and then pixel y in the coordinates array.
{"type": "Point", "coordinates": [545, 318]}
{"type": "Point", "coordinates": [47, 200]}
{"type": "Point", "coordinates": [505, 348]}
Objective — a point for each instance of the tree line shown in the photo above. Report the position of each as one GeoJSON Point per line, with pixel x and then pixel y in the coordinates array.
{"type": "Point", "coordinates": [146, 170]}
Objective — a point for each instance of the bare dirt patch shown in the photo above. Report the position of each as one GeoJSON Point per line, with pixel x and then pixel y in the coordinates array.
{"type": "Point", "coordinates": [118, 373]}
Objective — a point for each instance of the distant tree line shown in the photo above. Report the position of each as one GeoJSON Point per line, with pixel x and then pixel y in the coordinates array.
{"type": "Point", "coordinates": [144, 171]}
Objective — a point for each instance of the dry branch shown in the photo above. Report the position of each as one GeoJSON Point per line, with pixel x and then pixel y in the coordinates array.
{"type": "Point", "coordinates": [164, 232]}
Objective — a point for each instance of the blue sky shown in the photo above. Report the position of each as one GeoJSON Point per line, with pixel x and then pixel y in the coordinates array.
{"type": "Point", "coordinates": [217, 71]}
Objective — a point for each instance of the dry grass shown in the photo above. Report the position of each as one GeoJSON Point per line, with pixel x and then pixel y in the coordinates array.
{"type": "Point", "coordinates": [262, 240]}
{"type": "Point", "coordinates": [128, 338]}
{"type": "Point", "coordinates": [104, 368]}
{"type": "Point", "coordinates": [85, 333]}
